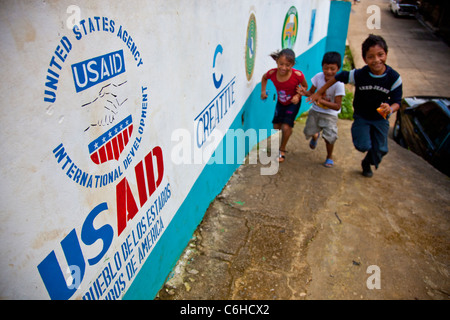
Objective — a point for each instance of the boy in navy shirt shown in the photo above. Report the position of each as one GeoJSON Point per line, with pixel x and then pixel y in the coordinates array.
{"type": "Point", "coordinates": [378, 94]}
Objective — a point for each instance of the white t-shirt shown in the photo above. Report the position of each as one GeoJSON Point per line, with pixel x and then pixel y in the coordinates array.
{"type": "Point", "coordinates": [337, 89]}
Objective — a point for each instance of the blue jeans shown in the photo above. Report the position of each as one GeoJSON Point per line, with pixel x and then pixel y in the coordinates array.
{"type": "Point", "coordinates": [371, 136]}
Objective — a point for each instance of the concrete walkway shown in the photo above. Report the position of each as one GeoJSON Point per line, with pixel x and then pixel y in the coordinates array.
{"type": "Point", "coordinates": [311, 232]}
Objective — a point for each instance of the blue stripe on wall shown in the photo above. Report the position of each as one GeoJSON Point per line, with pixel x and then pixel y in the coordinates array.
{"type": "Point", "coordinates": [256, 114]}
{"type": "Point", "coordinates": [338, 26]}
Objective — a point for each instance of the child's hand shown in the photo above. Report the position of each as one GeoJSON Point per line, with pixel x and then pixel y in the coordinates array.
{"type": "Point", "coordinates": [314, 98]}
{"type": "Point", "coordinates": [301, 90]}
{"type": "Point", "coordinates": [384, 109]}
{"type": "Point", "coordinates": [295, 99]}
{"type": "Point", "coordinates": [264, 95]}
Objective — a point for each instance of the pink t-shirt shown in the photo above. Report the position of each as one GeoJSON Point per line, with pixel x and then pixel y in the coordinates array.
{"type": "Point", "coordinates": [287, 89]}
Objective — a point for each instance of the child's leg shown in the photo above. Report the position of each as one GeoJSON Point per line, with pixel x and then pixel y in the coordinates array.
{"type": "Point", "coordinates": [330, 148]}
{"type": "Point", "coordinates": [371, 136]}
{"type": "Point", "coordinates": [311, 126]}
{"type": "Point", "coordinates": [378, 135]}
{"type": "Point", "coordinates": [329, 163]}
{"type": "Point", "coordinates": [361, 134]}
{"type": "Point", "coordinates": [282, 150]}
{"type": "Point", "coordinates": [362, 141]}
{"type": "Point", "coordinates": [312, 129]}
{"type": "Point", "coordinates": [330, 135]}
{"type": "Point", "coordinates": [286, 131]}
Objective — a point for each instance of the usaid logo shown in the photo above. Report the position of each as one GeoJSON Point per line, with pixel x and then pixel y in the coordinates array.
{"type": "Point", "coordinates": [102, 113]}
{"type": "Point", "coordinates": [88, 73]}
{"type": "Point", "coordinates": [93, 71]}
{"type": "Point", "coordinates": [110, 145]}
{"type": "Point", "coordinates": [103, 123]}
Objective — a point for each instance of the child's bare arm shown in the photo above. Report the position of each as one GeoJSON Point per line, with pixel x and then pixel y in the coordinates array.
{"type": "Point", "coordinates": [304, 92]}
{"type": "Point", "coordinates": [318, 95]}
{"type": "Point", "coordinates": [263, 87]}
{"type": "Point", "coordinates": [395, 107]}
{"type": "Point", "coordinates": [304, 84]}
{"type": "Point", "coordinates": [336, 105]}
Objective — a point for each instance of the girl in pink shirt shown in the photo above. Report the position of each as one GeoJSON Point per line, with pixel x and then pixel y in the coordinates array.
{"type": "Point", "coordinates": [286, 79]}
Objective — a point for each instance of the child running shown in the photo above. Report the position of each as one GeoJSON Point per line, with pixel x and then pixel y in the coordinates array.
{"type": "Point", "coordinates": [323, 114]}
{"type": "Point", "coordinates": [378, 94]}
{"type": "Point", "coordinates": [286, 79]}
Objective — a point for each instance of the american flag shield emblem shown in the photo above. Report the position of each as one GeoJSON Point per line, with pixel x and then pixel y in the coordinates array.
{"type": "Point", "coordinates": [110, 144]}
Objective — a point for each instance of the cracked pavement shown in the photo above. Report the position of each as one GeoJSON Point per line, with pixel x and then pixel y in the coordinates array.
{"type": "Point", "coordinates": [311, 232]}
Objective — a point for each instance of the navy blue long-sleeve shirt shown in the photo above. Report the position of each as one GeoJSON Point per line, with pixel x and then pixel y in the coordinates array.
{"type": "Point", "coordinates": [372, 90]}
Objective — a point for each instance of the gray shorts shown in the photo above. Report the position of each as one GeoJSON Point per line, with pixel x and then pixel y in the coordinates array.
{"type": "Point", "coordinates": [317, 122]}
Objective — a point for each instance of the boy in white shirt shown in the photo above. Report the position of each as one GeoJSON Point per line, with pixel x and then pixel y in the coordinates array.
{"type": "Point", "coordinates": [323, 115]}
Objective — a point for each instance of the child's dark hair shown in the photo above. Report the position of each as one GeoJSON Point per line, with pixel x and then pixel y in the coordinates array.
{"type": "Point", "coordinates": [372, 41]}
{"type": "Point", "coordinates": [332, 57]}
{"type": "Point", "coordinates": [289, 54]}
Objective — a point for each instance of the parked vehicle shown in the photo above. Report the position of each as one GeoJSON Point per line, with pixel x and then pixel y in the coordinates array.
{"type": "Point", "coordinates": [404, 7]}
{"type": "Point", "coordinates": [423, 126]}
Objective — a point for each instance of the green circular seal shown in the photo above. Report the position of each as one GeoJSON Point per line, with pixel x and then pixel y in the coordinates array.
{"type": "Point", "coordinates": [290, 28]}
{"type": "Point", "coordinates": [250, 47]}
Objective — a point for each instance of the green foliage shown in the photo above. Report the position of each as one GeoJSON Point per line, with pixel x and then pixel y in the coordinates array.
{"type": "Point", "coordinates": [347, 106]}
{"type": "Point", "coordinates": [347, 100]}
{"type": "Point", "coordinates": [348, 60]}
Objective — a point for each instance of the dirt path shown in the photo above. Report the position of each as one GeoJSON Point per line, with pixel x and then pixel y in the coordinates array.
{"type": "Point", "coordinates": [310, 232]}
{"type": "Point", "coordinates": [397, 221]}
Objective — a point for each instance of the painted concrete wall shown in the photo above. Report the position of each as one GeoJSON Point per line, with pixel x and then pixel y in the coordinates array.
{"type": "Point", "coordinates": [111, 114]}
